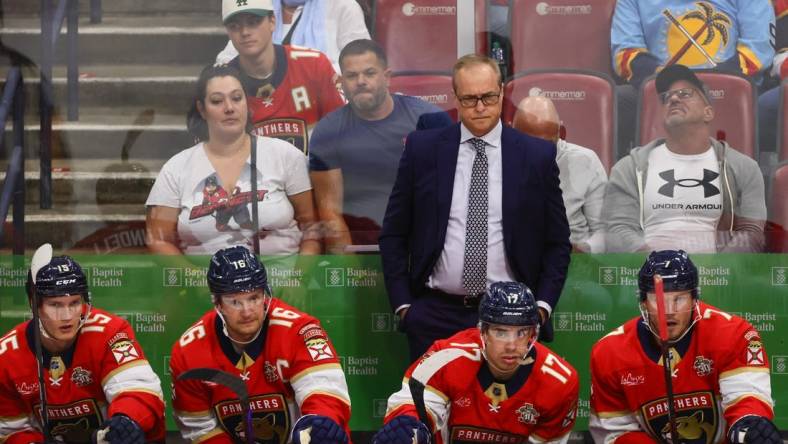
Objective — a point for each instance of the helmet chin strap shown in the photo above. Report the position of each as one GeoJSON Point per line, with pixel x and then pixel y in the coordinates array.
{"type": "Point", "coordinates": [695, 319]}
{"type": "Point", "coordinates": [224, 322]}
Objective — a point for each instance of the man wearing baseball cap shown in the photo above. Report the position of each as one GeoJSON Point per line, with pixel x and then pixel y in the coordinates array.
{"type": "Point", "coordinates": [687, 191]}
{"type": "Point", "coordinates": [288, 88]}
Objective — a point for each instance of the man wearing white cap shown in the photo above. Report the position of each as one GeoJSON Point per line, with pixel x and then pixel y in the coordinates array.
{"type": "Point", "coordinates": [288, 88]}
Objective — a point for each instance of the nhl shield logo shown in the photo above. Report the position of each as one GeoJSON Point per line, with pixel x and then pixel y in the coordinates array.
{"type": "Point", "coordinates": [703, 366]}
{"type": "Point", "coordinates": [527, 414]}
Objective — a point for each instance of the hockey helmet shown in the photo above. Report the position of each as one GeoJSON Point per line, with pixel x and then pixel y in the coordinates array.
{"type": "Point", "coordinates": [509, 303]}
{"type": "Point", "coordinates": [236, 270]}
{"type": "Point", "coordinates": [677, 271]}
{"type": "Point", "coordinates": [60, 277]}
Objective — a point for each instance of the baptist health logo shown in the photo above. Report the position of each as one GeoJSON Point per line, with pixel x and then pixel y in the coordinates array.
{"type": "Point", "coordinates": [383, 322]}
{"type": "Point", "coordinates": [608, 275]}
{"type": "Point", "coordinates": [335, 277]}
{"type": "Point", "coordinates": [779, 276]}
{"type": "Point", "coordinates": [562, 321]}
{"type": "Point", "coordinates": [173, 277]}
{"type": "Point", "coordinates": [780, 365]}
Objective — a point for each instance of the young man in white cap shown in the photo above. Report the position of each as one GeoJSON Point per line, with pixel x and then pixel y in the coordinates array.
{"type": "Point", "coordinates": [288, 88]}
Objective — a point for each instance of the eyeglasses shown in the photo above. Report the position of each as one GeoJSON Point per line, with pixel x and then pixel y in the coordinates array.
{"type": "Point", "coordinates": [682, 94]}
{"type": "Point", "coordinates": [488, 99]}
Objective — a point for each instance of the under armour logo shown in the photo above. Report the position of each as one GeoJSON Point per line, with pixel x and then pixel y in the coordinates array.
{"type": "Point", "coordinates": [708, 189]}
{"type": "Point", "coordinates": [240, 2]}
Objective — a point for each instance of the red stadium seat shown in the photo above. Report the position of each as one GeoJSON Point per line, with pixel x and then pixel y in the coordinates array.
{"type": "Point", "coordinates": [561, 34]}
{"type": "Point", "coordinates": [586, 104]}
{"type": "Point", "coordinates": [777, 229]}
{"type": "Point", "coordinates": [733, 98]}
{"type": "Point", "coordinates": [422, 34]}
{"type": "Point", "coordinates": [783, 129]}
{"type": "Point", "coordinates": [433, 87]}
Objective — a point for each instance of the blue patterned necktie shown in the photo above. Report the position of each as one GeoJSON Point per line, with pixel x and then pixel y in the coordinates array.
{"type": "Point", "coordinates": [474, 270]}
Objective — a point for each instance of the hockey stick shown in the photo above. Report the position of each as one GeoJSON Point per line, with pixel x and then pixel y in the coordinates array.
{"type": "Point", "coordinates": [41, 258]}
{"type": "Point", "coordinates": [666, 355]}
{"type": "Point", "coordinates": [253, 179]}
{"type": "Point", "coordinates": [232, 382]}
{"type": "Point", "coordinates": [424, 372]}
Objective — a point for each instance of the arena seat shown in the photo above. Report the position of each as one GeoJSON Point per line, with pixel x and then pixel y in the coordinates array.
{"type": "Point", "coordinates": [735, 113]}
{"type": "Point", "coordinates": [431, 86]}
{"type": "Point", "coordinates": [585, 101]}
{"type": "Point", "coordinates": [561, 34]}
{"type": "Point", "coordinates": [777, 229]}
{"type": "Point", "coordinates": [782, 129]}
{"type": "Point", "coordinates": [422, 34]}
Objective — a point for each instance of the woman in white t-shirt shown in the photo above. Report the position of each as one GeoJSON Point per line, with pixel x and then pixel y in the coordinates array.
{"type": "Point", "coordinates": [203, 199]}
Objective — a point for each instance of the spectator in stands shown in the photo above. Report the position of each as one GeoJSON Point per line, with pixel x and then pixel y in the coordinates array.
{"type": "Point", "coordinates": [711, 34]}
{"type": "Point", "coordinates": [356, 149]}
{"type": "Point", "coordinates": [325, 25]}
{"type": "Point", "coordinates": [288, 88]}
{"type": "Point", "coordinates": [582, 175]}
{"type": "Point", "coordinates": [203, 199]}
{"type": "Point", "coordinates": [769, 102]}
{"type": "Point", "coordinates": [687, 191]}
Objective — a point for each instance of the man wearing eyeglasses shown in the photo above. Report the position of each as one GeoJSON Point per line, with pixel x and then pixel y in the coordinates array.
{"type": "Point", "coordinates": [473, 203]}
{"type": "Point", "coordinates": [297, 390]}
{"type": "Point", "coordinates": [686, 191]}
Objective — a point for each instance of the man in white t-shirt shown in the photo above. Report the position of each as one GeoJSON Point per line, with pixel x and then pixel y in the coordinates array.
{"type": "Point", "coordinates": [687, 191]}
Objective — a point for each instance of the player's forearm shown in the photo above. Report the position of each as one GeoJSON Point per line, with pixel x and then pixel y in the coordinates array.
{"type": "Point", "coordinates": [25, 437]}
{"type": "Point", "coordinates": [146, 409]}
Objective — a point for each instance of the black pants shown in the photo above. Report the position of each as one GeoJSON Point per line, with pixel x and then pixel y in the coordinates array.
{"type": "Point", "coordinates": [436, 315]}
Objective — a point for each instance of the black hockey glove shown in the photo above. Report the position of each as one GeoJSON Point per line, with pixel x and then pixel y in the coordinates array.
{"type": "Point", "coordinates": [120, 429]}
{"type": "Point", "coordinates": [318, 429]}
{"type": "Point", "coordinates": [401, 430]}
{"type": "Point", "coordinates": [754, 429]}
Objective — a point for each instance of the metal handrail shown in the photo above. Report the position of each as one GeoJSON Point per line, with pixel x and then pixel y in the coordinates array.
{"type": "Point", "coordinates": [13, 191]}
{"type": "Point", "coordinates": [51, 23]}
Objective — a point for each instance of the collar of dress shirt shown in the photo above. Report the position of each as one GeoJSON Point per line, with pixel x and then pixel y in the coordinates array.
{"type": "Point", "coordinates": [493, 138]}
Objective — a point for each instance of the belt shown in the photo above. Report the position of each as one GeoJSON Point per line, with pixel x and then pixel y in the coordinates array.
{"type": "Point", "coordinates": [467, 301]}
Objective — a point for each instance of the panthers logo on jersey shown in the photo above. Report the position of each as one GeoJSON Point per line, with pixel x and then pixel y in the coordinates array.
{"type": "Point", "coordinates": [697, 418]}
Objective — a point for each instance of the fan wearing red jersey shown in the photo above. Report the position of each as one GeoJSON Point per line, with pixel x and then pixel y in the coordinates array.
{"type": "Point", "coordinates": [718, 369]}
{"type": "Point", "coordinates": [295, 384]}
{"type": "Point", "coordinates": [493, 383]}
{"type": "Point", "coordinates": [288, 88]}
{"type": "Point", "coordinates": [97, 379]}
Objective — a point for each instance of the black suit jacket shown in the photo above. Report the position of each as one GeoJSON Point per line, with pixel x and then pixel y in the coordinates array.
{"type": "Point", "coordinates": [535, 229]}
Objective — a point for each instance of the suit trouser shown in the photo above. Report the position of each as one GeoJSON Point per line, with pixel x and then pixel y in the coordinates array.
{"type": "Point", "coordinates": [437, 315]}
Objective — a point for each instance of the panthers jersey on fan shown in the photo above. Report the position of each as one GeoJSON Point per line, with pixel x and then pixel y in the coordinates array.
{"type": "Point", "coordinates": [291, 369]}
{"type": "Point", "coordinates": [104, 373]}
{"type": "Point", "coordinates": [720, 374]}
{"type": "Point", "coordinates": [302, 89]}
{"type": "Point", "coordinates": [469, 406]}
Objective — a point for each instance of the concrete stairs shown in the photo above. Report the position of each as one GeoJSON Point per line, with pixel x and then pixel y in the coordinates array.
{"type": "Point", "coordinates": [137, 74]}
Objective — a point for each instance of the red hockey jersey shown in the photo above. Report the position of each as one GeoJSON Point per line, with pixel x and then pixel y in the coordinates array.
{"type": "Point", "coordinates": [720, 373]}
{"type": "Point", "coordinates": [468, 406]}
{"type": "Point", "coordinates": [103, 374]}
{"type": "Point", "coordinates": [302, 89]}
{"type": "Point", "coordinates": [291, 369]}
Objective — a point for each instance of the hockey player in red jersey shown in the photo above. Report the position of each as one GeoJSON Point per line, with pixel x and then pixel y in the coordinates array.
{"type": "Point", "coordinates": [288, 88]}
{"type": "Point", "coordinates": [292, 373]}
{"type": "Point", "coordinates": [96, 376]}
{"type": "Point", "coordinates": [493, 383]}
{"type": "Point", "coordinates": [719, 369]}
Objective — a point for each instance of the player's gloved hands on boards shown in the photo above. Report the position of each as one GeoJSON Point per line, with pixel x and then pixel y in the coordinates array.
{"type": "Point", "coordinates": [401, 430]}
{"type": "Point", "coordinates": [120, 429]}
{"type": "Point", "coordinates": [754, 429]}
{"type": "Point", "coordinates": [318, 429]}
